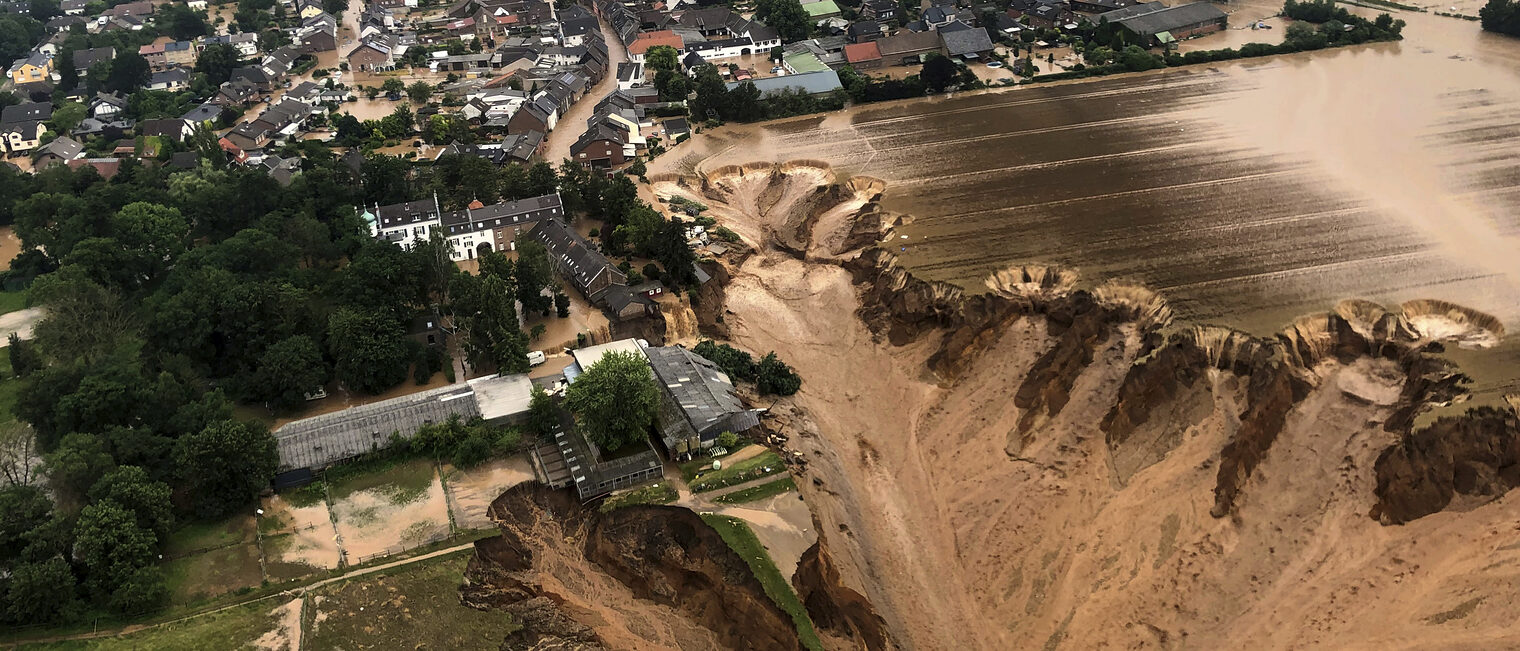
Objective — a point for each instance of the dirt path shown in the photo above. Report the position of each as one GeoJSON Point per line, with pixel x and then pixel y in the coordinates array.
{"type": "Point", "coordinates": [294, 593]}
{"type": "Point", "coordinates": [573, 123]}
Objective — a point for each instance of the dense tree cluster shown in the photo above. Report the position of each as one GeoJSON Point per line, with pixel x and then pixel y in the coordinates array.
{"type": "Point", "coordinates": [771, 375]}
{"type": "Point", "coordinates": [1502, 16]}
{"type": "Point", "coordinates": [787, 17]}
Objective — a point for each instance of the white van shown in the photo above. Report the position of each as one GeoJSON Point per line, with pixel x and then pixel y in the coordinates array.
{"type": "Point", "coordinates": [535, 357]}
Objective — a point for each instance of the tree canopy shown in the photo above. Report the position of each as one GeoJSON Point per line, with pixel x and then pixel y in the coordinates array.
{"type": "Point", "coordinates": [615, 401]}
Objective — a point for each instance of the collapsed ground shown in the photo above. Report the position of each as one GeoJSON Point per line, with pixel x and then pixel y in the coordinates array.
{"type": "Point", "coordinates": [1042, 466]}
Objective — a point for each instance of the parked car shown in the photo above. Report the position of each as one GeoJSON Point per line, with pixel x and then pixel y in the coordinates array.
{"type": "Point", "coordinates": [994, 64]}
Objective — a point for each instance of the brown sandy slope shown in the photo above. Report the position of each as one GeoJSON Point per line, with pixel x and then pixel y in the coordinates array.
{"type": "Point", "coordinates": [1041, 468]}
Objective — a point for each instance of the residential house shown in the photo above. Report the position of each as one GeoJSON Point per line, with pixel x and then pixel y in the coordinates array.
{"type": "Point", "coordinates": [375, 53]}
{"type": "Point", "coordinates": [404, 224]}
{"type": "Point", "coordinates": [279, 123]}
{"type": "Point", "coordinates": [282, 170]}
{"type": "Point", "coordinates": [630, 75]}
{"type": "Point", "coordinates": [907, 48]}
{"type": "Point", "coordinates": [880, 11]}
{"type": "Point", "coordinates": [575, 22]}
{"type": "Point", "coordinates": [105, 167]}
{"type": "Point", "coordinates": [496, 227]}
{"type": "Point", "coordinates": [1048, 16]}
{"type": "Point", "coordinates": [864, 31]}
{"type": "Point", "coordinates": [22, 125]}
{"type": "Point", "coordinates": [106, 106]}
{"type": "Point", "coordinates": [33, 67]}
{"type": "Point", "coordinates": [602, 146]}
{"type": "Point", "coordinates": [246, 43]}
{"type": "Point", "coordinates": [173, 80]}
{"type": "Point", "coordinates": [587, 269]}
{"type": "Point", "coordinates": [73, 7]}
{"type": "Point", "coordinates": [863, 56]}
{"type": "Point", "coordinates": [1160, 25]}
{"type": "Point", "coordinates": [65, 23]}
{"type": "Point", "coordinates": [318, 33]}
{"type": "Point", "coordinates": [134, 9]}
{"type": "Point", "coordinates": [92, 128]}
{"type": "Point", "coordinates": [821, 10]}
{"type": "Point", "coordinates": [532, 117]}
{"type": "Point", "coordinates": [179, 53]}
{"type": "Point", "coordinates": [154, 54]}
{"type": "Point", "coordinates": [61, 150]}
{"type": "Point", "coordinates": [204, 115]}
{"type": "Point", "coordinates": [84, 59]}
{"type": "Point", "coordinates": [176, 129]}
{"type": "Point", "coordinates": [1100, 6]}
{"type": "Point", "coordinates": [646, 40]}
{"type": "Point", "coordinates": [970, 44]}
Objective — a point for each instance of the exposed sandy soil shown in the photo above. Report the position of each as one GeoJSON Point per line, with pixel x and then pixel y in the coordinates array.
{"type": "Point", "coordinates": [10, 245]}
{"type": "Point", "coordinates": [783, 524]}
{"type": "Point", "coordinates": [304, 539]}
{"type": "Point", "coordinates": [287, 635]}
{"type": "Point", "coordinates": [374, 521]}
{"type": "Point", "coordinates": [471, 491]}
{"type": "Point", "coordinates": [968, 525]}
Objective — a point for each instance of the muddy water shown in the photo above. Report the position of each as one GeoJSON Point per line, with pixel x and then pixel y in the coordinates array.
{"type": "Point", "coordinates": [1249, 192]}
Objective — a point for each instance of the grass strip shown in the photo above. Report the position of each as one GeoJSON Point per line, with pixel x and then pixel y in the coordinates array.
{"type": "Point", "coordinates": [753, 493]}
{"type": "Point", "coordinates": [743, 541]}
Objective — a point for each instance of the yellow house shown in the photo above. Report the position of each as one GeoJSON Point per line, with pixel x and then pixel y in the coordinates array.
{"type": "Point", "coordinates": [35, 67]}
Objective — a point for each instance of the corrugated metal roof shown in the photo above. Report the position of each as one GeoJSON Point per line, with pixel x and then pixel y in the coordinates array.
{"type": "Point", "coordinates": [320, 441]}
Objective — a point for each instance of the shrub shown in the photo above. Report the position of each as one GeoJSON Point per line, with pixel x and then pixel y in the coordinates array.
{"type": "Point", "coordinates": [728, 440]}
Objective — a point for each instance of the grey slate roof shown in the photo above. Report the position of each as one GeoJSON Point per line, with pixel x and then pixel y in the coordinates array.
{"type": "Point", "coordinates": [573, 255]}
{"type": "Point", "coordinates": [320, 441]}
{"type": "Point", "coordinates": [701, 390]}
{"type": "Point", "coordinates": [966, 41]}
{"type": "Point", "coordinates": [1169, 18]}
{"type": "Point", "coordinates": [813, 83]}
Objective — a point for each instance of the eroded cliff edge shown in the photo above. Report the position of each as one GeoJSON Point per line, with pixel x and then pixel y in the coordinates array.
{"type": "Point", "coordinates": [1109, 418]}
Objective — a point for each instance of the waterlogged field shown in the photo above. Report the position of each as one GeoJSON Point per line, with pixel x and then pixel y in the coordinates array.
{"type": "Point", "coordinates": [1249, 193]}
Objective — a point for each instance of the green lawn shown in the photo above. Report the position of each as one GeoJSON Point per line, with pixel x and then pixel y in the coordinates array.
{"type": "Point", "coordinates": [690, 469]}
{"type": "Point", "coordinates": [739, 536]}
{"type": "Point", "coordinates": [234, 628]}
{"type": "Point", "coordinates": [9, 387]}
{"type": "Point", "coordinates": [661, 493]}
{"type": "Point", "coordinates": [753, 493]}
{"type": "Point", "coordinates": [12, 301]}
{"type": "Point", "coordinates": [201, 536]}
{"type": "Point", "coordinates": [400, 482]}
{"type": "Point", "coordinates": [209, 574]}
{"type": "Point", "coordinates": [415, 606]}
{"type": "Point", "coordinates": [752, 468]}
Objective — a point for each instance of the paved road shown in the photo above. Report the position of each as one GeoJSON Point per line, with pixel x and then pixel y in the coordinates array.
{"type": "Point", "coordinates": [573, 123]}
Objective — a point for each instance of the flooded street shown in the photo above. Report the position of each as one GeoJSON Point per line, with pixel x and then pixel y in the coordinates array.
{"type": "Point", "coordinates": [1249, 192]}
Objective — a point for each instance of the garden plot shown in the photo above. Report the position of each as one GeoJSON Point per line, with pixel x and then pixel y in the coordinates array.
{"type": "Point", "coordinates": [387, 511]}
{"type": "Point", "coordinates": [298, 536]}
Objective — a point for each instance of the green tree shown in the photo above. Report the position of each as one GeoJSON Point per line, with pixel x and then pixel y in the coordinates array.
{"type": "Point", "coordinates": [217, 62]}
{"type": "Point", "coordinates": [672, 85]}
{"type": "Point", "coordinates": [129, 72]}
{"type": "Point", "coordinates": [711, 95]}
{"type": "Point", "coordinates": [287, 371]}
{"type": "Point", "coordinates": [111, 546]}
{"type": "Point", "coordinates": [76, 464]}
{"type": "Point", "coordinates": [615, 401]}
{"type": "Point", "coordinates": [543, 413]}
{"type": "Point", "coordinates": [392, 85]}
{"type": "Point", "coordinates": [938, 72]}
{"type": "Point", "coordinates": [662, 57]}
{"type": "Point", "coordinates": [22, 509]}
{"type": "Point", "coordinates": [131, 487]}
{"type": "Point", "coordinates": [787, 17]}
{"type": "Point", "coordinates": [534, 273]}
{"type": "Point", "coordinates": [774, 377]}
{"type": "Point", "coordinates": [41, 592]}
{"type": "Point", "coordinates": [224, 466]}
{"type": "Point", "coordinates": [180, 22]}
{"type": "Point", "coordinates": [1502, 16]}
{"type": "Point", "coordinates": [728, 440]}
{"type": "Point", "coordinates": [367, 350]}
{"type": "Point", "coordinates": [419, 91]}
{"type": "Point", "coordinates": [486, 313]}
{"type": "Point", "coordinates": [67, 116]}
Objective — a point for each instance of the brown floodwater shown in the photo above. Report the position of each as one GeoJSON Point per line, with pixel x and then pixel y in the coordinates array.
{"type": "Point", "coordinates": [1249, 192]}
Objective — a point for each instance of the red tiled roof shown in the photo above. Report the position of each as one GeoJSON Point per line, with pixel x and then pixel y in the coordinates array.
{"type": "Point", "coordinates": [647, 40]}
{"type": "Point", "coordinates": [858, 52]}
